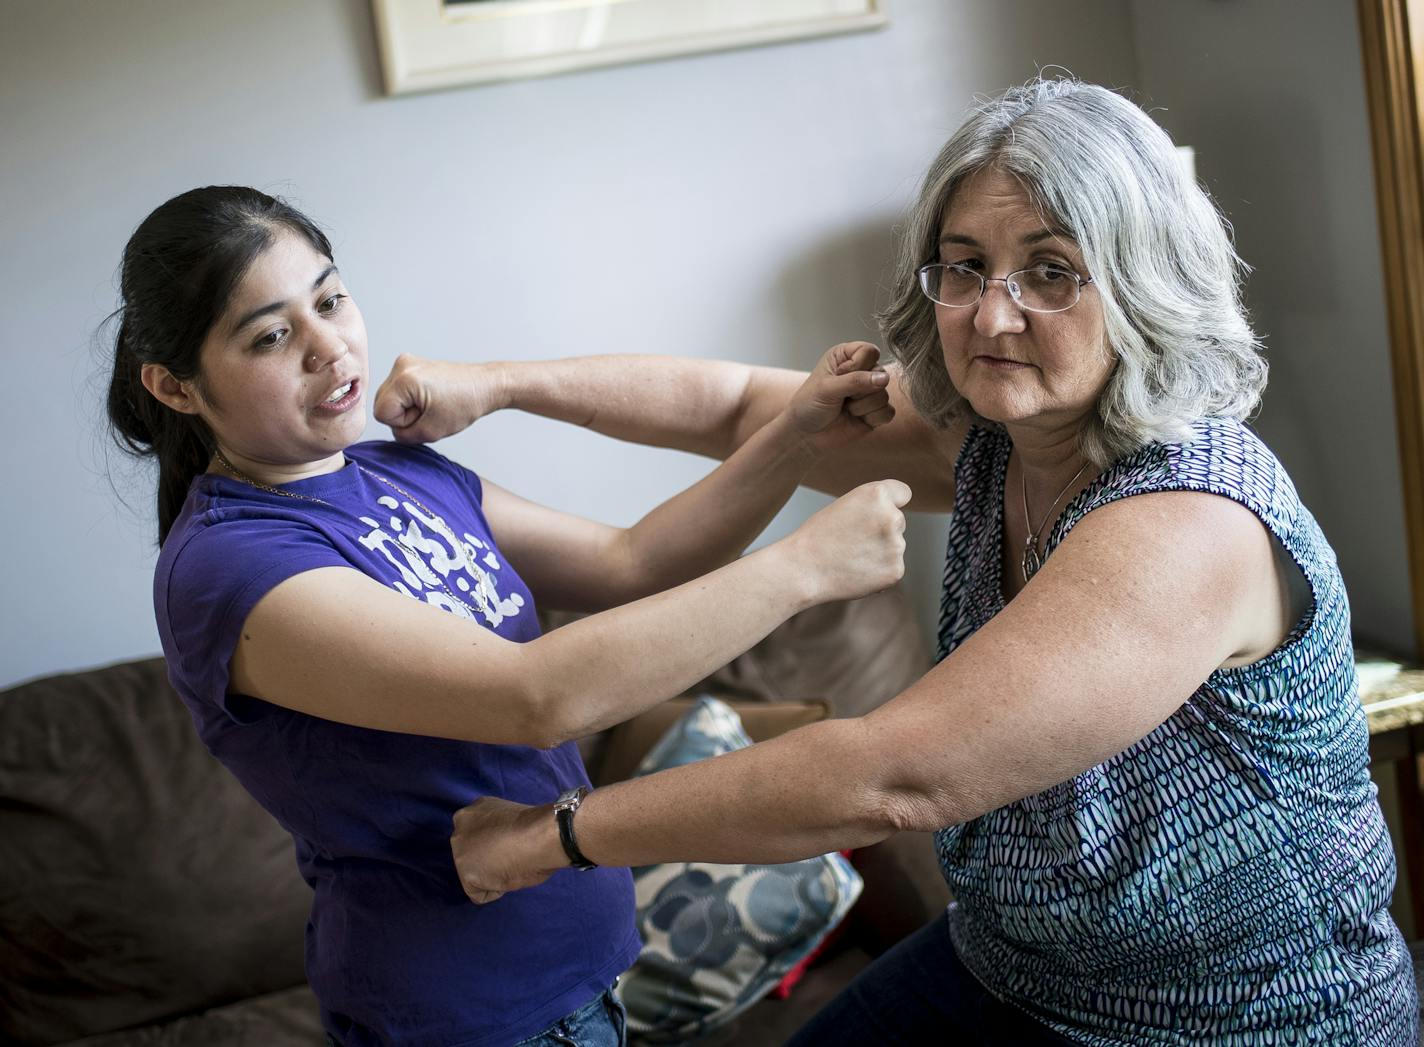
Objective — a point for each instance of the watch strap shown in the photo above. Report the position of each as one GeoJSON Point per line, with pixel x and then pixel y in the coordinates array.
{"type": "Point", "coordinates": [564, 809]}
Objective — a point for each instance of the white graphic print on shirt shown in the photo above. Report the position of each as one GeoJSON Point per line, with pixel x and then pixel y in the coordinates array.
{"type": "Point", "coordinates": [424, 560]}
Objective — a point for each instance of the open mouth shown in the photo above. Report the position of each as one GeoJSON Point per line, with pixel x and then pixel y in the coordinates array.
{"type": "Point", "coordinates": [342, 397]}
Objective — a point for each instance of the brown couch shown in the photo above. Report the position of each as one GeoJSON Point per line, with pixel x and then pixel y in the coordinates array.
{"type": "Point", "coordinates": [145, 899]}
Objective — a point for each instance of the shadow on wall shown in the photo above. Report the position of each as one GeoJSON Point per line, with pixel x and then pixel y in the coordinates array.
{"type": "Point", "coordinates": [361, 21]}
{"type": "Point", "coordinates": [1280, 231]}
{"type": "Point", "coordinates": [1270, 179]}
{"type": "Point", "coordinates": [830, 292]}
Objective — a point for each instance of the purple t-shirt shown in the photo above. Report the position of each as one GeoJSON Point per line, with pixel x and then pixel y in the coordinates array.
{"type": "Point", "coordinates": [394, 950]}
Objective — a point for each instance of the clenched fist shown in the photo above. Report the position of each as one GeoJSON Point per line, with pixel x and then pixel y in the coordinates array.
{"type": "Point", "coordinates": [501, 846]}
{"type": "Point", "coordinates": [426, 400]}
{"type": "Point", "coordinates": [856, 545]}
{"type": "Point", "coordinates": [844, 397]}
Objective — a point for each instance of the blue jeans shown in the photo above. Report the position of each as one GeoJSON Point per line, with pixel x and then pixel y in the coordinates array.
{"type": "Point", "coordinates": [919, 992]}
{"type": "Point", "coordinates": [599, 1023]}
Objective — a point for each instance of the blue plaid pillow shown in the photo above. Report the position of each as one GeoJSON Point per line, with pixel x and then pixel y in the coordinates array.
{"type": "Point", "coordinates": [717, 938]}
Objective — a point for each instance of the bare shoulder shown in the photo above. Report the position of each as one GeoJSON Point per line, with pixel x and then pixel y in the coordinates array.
{"type": "Point", "coordinates": [1166, 533]}
{"type": "Point", "coordinates": [1177, 554]}
{"type": "Point", "coordinates": [1190, 517]}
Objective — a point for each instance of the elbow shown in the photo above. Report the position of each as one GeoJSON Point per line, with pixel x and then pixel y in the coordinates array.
{"type": "Point", "coordinates": [627, 571]}
{"type": "Point", "coordinates": [545, 725]}
{"type": "Point", "coordinates": [544, 736]}
{"type": "Point", "coordinates": [633, 573]}
{"type": "Point", "coordinates": [538, 717]}
{"type": "Point", "coordinates": [917, 786]}
{"type": "Point", "coordinates": [924, 808]}
{"type": "Point", "coordinates": [739, 420]}
{"type": "Point", "coordinates": [893, 793]}
{"type": "Point", "coordinates": [541, 696]}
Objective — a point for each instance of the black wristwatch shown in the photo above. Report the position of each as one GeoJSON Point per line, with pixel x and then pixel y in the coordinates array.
{"type": "Point", "coordinates": [564, 808]}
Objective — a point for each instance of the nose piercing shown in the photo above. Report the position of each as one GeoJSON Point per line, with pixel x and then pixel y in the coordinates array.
{"type": "Point", "coordinates": [312, 359]}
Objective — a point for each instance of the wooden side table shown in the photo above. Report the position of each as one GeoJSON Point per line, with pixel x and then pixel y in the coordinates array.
{"type": "Point", "coordinates": [1393, 698]}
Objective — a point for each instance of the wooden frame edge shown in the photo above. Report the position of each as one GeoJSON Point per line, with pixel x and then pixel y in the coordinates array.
{"type": "Point", "coordinates": [1395, 129]}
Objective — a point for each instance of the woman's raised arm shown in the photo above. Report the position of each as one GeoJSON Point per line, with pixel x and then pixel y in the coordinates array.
{"type": "Point", "coordinates": [577, 564]}
{"type": "Point", "coordinates": [706, 407]}
{"type": "Point", "coordinates": [333, 643]}
{"type": "Point", "coordinates": [1096, 652]}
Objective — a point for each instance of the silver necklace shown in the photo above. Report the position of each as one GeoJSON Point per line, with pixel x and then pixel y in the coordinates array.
{"type": "Point", "coordinates": [435, 521]}
{"type": "Point", "coordinates": [1031, 561]}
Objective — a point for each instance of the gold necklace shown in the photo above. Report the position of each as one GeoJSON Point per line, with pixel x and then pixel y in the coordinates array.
{"type": "Point", "coordinates": [1031, 561]}
{"type": "Point", "coordinates": [239, 474]}
{"type": "Point", "coordinates": [437, 522]}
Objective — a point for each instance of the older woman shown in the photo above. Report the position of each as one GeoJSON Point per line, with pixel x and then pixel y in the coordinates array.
{"type": "Point", "coordinates": [1142, 744]}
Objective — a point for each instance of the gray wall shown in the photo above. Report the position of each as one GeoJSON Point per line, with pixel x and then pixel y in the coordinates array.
{"type": "Point", "coordinates": [1271, 95]}
{"type": "Point", "coordinates": [728, 205]}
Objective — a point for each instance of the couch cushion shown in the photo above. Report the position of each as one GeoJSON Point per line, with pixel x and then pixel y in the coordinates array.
{"type": "Point", "coordinates": [138, 880]}
{"type": "Point", "coordinates": [856, 654]}
{"type": "Point", "coordinates": [717, 938]}
{"type": "Point", "coordinates": [629, 743]}
{"type": "Point", "coordinates": [288, 1018]}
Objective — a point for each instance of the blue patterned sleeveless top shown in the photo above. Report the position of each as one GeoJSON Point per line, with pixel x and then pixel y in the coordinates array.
{"type": "Point", "coordinates": [1225, 879]}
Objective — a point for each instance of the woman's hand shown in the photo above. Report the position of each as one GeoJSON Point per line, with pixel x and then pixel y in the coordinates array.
{"type": "Point", "coordinates": [843, 398]}
{"type": "Point", "coordinates": [502, 846]}
{"type": "Point", "coordinates": [425, 400]}
{"type": "Point", "coordinates": [855, 545]}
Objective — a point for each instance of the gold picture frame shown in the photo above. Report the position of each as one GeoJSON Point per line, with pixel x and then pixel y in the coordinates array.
{"type": "Point", "coordinates": [1392, 38]}
{"type": "Point", "coordinates": [426, 45]}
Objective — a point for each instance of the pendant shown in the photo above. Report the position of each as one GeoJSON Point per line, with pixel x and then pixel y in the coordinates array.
{"type": "Point", "coordinates": [1031, 561]}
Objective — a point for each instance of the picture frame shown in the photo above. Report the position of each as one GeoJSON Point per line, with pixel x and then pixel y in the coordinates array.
{"type": "Point", "coordinates": [426, 45]}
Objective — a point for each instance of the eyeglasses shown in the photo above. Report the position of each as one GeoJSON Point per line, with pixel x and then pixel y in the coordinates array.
{"type": "Point", "coordinates": [1041, 289]}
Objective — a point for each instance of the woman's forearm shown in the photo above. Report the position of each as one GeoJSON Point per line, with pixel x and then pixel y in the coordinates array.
{"type": "Point", "coordinates": [603, 669]}
{"type": "Point", "coordinates": [600, 670]}
{"type": "Point", "coordinates": [335, 643]}
{"type": "Point", "coordinates": [707, 407]}
{"type": "Point", "coordinates": [712, 407]}
{"type": "Point", "coordinates": [711, 522]}
{"type": "Point", "coordinates": [805, 793]}
{"type": "Point", "coordinates": [802, 794]}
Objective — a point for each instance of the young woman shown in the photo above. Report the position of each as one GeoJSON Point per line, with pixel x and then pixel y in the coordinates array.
{"type": "Point", "coordinates": [352, 624]}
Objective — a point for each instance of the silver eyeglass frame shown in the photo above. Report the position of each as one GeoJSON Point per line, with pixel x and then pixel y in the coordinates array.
{"type": "Point", "coordinates": [1010, 284]}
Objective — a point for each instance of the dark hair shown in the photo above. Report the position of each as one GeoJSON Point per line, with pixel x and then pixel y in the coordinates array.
{"type": "Point", "coordinates": [180, 268]}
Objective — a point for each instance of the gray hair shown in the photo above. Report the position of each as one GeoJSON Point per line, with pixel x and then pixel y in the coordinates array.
{"type": "Point", "coordinates": [1158, 250]}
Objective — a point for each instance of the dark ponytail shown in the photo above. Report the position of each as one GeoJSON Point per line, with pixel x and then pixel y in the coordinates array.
{"type": "Point", "coordinates": [180, 268]}
{"type": "Point", "coordinates": [143, 426]}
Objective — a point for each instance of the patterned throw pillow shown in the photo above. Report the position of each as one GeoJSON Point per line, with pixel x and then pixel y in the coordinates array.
{"type": "Point", "coordinates": [717, 938]}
